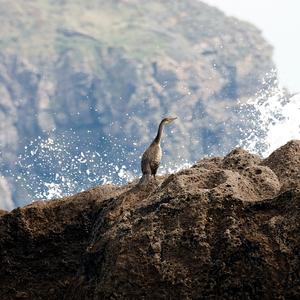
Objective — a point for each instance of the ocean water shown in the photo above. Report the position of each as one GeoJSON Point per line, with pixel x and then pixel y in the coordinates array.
{"type": "Point", "coordinates": [62, 164]}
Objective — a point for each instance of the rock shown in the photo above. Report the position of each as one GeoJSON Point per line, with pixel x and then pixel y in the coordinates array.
{"type": "Point", "coordinates": [285, 162]}
{"type": "Point", "coordinates": [224, 228]}
{"type": "Point", "coordinates": [3, 212]}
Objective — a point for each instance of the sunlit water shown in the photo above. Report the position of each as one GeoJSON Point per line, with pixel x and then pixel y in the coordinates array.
{"type": "Point", "coordinates": [60, 164]}
{"type": "Point", "coordinates": [274, 118]}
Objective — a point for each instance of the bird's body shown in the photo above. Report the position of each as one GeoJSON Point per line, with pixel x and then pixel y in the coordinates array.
{"type": "Point", "coordinates": [152, 156]}
{"type": "Point", "coordinates": [151, 159]}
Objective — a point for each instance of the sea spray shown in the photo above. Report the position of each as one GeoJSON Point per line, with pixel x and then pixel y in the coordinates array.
{"type": "Point", "coordinates": [274, 119]}
{"type": "Point", "coordinates": [61, 163]}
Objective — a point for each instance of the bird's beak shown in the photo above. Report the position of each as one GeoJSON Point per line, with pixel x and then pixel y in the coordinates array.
{"type": "Point", "coordinates": [173, 119]}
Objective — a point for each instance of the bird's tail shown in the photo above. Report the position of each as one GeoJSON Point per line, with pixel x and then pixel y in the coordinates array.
{"type": "Point", "coordinates": [144, 179]}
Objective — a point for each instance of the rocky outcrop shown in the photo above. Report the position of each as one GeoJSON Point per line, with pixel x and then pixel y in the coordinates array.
{"type": "Point", "coordinates": [289, 168]}
{"type": "Point", "coordinates": [226, 228]}
{"type": "Point", "coordinates": [114, 68]}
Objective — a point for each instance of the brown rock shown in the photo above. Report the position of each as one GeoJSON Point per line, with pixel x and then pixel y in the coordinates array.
{"type": "Point", "coordinates": [222, 229]}
{"type": "Point", "coordinates": [3, 212]}
{"type": "Point", "coordinates": [285, 162]}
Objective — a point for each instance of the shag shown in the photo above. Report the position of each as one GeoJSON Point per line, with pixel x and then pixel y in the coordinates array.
{"type": "Point", "coordinates": [152, 156]}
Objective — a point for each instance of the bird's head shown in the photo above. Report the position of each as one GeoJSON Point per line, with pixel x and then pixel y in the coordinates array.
{"type": "Point", "coordinates": [168, 120]}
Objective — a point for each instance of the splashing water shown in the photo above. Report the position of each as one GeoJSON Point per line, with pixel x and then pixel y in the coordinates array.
{"type": "Point", "coordinates": [273, 118]}
{"type": "Point", "coordinates": [61, 164]}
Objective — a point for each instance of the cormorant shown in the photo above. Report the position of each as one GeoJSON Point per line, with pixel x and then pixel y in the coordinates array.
{"type": "Point", "coordinates": [152, 156]}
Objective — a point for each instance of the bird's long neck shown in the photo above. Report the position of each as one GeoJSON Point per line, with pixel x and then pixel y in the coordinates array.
{"type": "Point", "coordinates": [159, 133]}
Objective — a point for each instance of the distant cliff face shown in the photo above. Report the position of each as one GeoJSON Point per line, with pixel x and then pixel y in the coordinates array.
{"type": "Point", "coordinates": [226, 228]}
{"type": "Point", "coordinates": [116, 67]}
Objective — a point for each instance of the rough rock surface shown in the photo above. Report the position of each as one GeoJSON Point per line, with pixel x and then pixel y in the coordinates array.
{"type": "Point", "coordinates": [227, 228]}
{"type": "Point", "coordinates": [116, 67]}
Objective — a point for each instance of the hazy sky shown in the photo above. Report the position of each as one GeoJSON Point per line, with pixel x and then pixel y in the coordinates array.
{"type": "Point", "coordinates": [279, 21]}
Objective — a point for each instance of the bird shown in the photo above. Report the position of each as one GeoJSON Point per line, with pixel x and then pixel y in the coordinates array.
{"type": "Point", "coordinates": [152, 156]}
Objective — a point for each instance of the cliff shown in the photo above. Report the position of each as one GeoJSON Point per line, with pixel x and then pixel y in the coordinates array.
{"type": "Point", "coordinates": [75, 70]}
{"type": "Point", "coordinates": [226, 228]}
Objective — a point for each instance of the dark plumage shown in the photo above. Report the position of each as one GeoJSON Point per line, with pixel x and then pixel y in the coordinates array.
{"type": "Point", "coordinates": [152, 156]}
